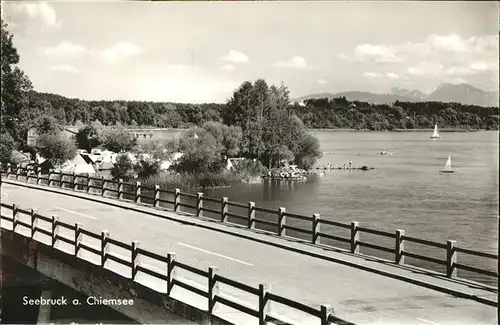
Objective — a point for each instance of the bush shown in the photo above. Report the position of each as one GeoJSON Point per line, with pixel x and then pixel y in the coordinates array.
{"type": "Point", "coordinates": [116, 138]}
{"type": "Point", "coordinates": [56, 148]}
{"type": "Point", "coordinates": [7, 144]}
{"type": "Point", "coordinates": [123, 168]}
{"type": "Point", "coordinates": [249, 169]}
{"type": "Point", "coordinates": [190, 181]}
{"type": "Point", "coordinates": [145, 168]}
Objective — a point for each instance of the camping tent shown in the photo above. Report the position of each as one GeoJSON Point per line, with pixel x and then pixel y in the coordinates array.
{"type": "Point", "coordinates": [108, 156]}
{"type": "Point", "coordinates": [106, 165]}
{"type": "Point", "coordinates": [20, 157]}
{"type": "Point", "coordinates": [78, 165]}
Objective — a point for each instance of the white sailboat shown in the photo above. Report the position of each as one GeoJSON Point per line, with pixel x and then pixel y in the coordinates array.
{"type": "Point", "coordinates": [435, 135]}
{"type": "Point", "coordinates": [447, 167]}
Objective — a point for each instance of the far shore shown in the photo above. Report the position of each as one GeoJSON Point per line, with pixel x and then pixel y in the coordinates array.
{"type": "Point", "coordinates": [400, 130]}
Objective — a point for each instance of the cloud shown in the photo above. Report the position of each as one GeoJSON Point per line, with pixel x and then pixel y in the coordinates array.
{"type": "Point", "coordinates": [425, 68]}
{"type": "Point", "coordinates": [392, 75]}
{"type": "Point", "coordinates": [121, 50]}
{"type": "Point", "coordinates": [66, 49]}
{"type": "Point", "coordinates": [455, 80]}
{"type": "Point", "coordinates": [321, 81]}
{"type": "Point", "coordinates": [433, 59]}
{"type": "Point", "coordinates": [458, 71]}
{"type": "Point", "coordinates": [228, 67]}
{"type": "Point", "coordinates": [372, 75]}
{"type": "Point", "coordinates": [65, 68]}
{"type": "Point", "coordinates": [236, 57]}
{"type": "Point", "coordinates": [191, 87]}
{"type": "Point", "coordinates": [378, 75]}
{"type": "Point", "coordinates": [38, 10]}
{"type": "Point", "coordinates": [452, 42]}
{"type": "Point", "coordinates": [376, 53]}
{"type": "Point", "coordinates": [175, 67]}
{"type": "Point", "coordinates": [71, 50]}
{"type": "Point", "coordinates": [296, 62]}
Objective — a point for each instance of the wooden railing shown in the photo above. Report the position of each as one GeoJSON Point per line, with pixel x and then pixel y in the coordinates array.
{"type": "Point", "coordinates": [253, 216]}
{"type": "Point", "coordinates": [263, 312]}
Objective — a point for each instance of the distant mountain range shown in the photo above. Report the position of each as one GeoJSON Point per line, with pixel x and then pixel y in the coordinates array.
{"type": "Point", "coordinates": [461, 93]}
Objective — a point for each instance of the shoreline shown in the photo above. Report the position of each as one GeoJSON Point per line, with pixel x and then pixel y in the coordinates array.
{"type": "Point", "coordinates": [399, 130]}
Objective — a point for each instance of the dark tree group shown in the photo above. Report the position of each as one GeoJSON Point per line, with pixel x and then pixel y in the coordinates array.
{"type": "Point", "coordinates": [341, 113]}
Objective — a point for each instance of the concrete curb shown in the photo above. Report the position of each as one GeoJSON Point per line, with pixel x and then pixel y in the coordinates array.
{"type": "Point", "coordinates": [138, 209]}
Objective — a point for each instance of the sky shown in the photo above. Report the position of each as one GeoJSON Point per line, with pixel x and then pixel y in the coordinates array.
{"type": "Point", "coordinates": [202, 51]}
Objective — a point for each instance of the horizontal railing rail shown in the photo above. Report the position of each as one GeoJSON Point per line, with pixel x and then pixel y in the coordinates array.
{"type": "Point", "coordinates": [254, 216]}
{"type": "Point", "coordinates": [213, 280]}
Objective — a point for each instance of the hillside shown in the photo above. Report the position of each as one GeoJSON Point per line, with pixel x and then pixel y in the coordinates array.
{"type": "Point", "coordinates": [462, 93]}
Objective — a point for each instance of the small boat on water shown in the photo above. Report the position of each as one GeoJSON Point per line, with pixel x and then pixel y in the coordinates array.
{"type": "Point", "coordinates": [447, 167]}
{"type": "Point", "coordinates": [383, 152]}
{"type": "Point", "coordinates": [435, 135]}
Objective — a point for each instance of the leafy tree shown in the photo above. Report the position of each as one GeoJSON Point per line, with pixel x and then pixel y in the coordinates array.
{"type": "Point", "coordinates": [117, 139]}
{"type": "Point", "coordinates": [56, 147]}
{"type": "Point", "coordinates": [227, 138]}
{"type": "Point", "coordinates": [308, 151]}
{"type": "Point", "coordinates": [7, 145]}
{"type": "Point", "coordinates": [147, 167]}
{"type": "Point", "coordinates": [47, 124]}
{"type": "Point", "coordinates": [278, 153]}
{"type": "Point", "coordinates": [123, 168]}
{"type": "Point", "coordinates": [89, 136]}
{"type": "Point", "coordinates": [201, 153]}
{"type": "Point", "coordinates": [14, 86]}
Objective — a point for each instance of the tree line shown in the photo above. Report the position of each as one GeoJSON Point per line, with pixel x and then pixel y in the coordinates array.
{"type": "Point", "coordinates": [320, 113]}
{"type": "Point", "coordinates": [341, 113]}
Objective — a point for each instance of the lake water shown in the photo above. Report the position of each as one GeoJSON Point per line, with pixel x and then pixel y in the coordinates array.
{"type": "Point", "coordinates": [404, 191]}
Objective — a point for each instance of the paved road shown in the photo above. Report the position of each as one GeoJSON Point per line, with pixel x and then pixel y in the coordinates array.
{"type": "Point", "coordinates": [358, 296]}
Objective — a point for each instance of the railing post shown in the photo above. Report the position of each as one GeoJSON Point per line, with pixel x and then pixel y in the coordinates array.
{"type": "Point", "coordinates": [326, 312]}
{"type": "Point", "coordinates": [251, 215]}
{"type": "Point", "coordinates": [33, 223]}
{"type": "Point", "coordinates": [9, 169]}
{"type": "Point", "coordinates": [103, 185]}
{"type": "Point", "coordinates": [316, 227]}
{"type": "Point", "coordinates": [104, 247]}
{"type": "Point", "coordinates": [170, 271]}
{"type": "Point", "coordinates": [199, 204]}
{"type": "Point", "coordinates": [135, 258]}
{"type": "Point", "coordinates": [75, 183]}
{"type": "Point", "coordinates": [157, 196]}
{"type": "Point", "coordinates": [78, 237]}
{"type": "Point", "coordinates": [137, 192]}
{"type": "Point", "coordinates": [14, 217]}
{"type": "Point", "coordinates": [451, 259]}
{"type": "Point", "coordinates": [50, 175]}
{"type": "Point", "coordinates": [55, 230]}
{"type": "Point", "coordinates": [61, 176]}
{"type": "Point", "coordinates": [177, 199]}
{"type": "Point", "coordinates": [281, 221]}
{"type": "Point", "coordinates": [18, 171]}
{"type": "Point", "coordinates": [213, 289]}
{"type": "Point", "coordinates": [264, 304]}
{"type": "Point", "coordinates": [88, 183]}
{"type": "Point", "coordinates": [400, 247]}
{"type": "Point", "coordinates": [354, 237]}
{"type": "Point", "coordinates": [38, 175]}
{"type": "Point", "coordinates": [224, 207]}
{"type": "Point", "coordinates": [120, 189]}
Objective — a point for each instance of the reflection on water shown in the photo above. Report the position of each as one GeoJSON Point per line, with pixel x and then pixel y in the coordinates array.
{"type": "Point", "coordinates": [405, 191]}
